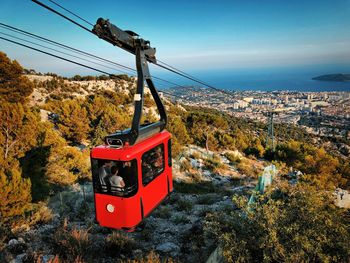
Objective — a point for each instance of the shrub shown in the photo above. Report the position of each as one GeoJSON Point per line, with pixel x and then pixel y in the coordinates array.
{"type": "Point", "coordinates": [214, 164]}
{"type": "Point", "coordinates": [119, 243]}
{"type": "Point", "coordinates": [185, 165]}
{"type": "Point", "coordinates": [233, 158]}
{"type": "Point", "coordinates": [184, 205]}
{"type": "Point", "coordinates": [248, 168]}
{"type": "Point", "coordinates": [42, 215]}
{"type": "Point", "coordinates": [287, 224]}
{"type": "Point", "coordinates": [208, 199]}
{"type": "Point", "coordinates": [152, 257]}
{"type": "Point", "coordinates": [162, 212]}
{"type": "Point", "coordinates": [194, 188]}
{"type": "Point", "coordinates": [195, 155]}
{"type": "Point", "coordinates": [181, 219]}
{"type": "Point", "coordinates": [72, 244]}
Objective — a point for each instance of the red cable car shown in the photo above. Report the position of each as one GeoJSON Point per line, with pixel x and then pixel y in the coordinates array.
{"type": "Point", "coordinates": [132, 171]}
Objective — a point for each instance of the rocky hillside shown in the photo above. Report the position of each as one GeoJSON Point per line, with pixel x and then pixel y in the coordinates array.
{"type": "Point", "coordinates": [46, 198]}
{"type": "Point", "coordinates": [51, 87]}
{"type": "Point", "coordinates": [204, 183]}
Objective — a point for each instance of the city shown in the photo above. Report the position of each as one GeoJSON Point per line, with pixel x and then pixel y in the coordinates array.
{"type": "Point", "coordinates": [321, 113]}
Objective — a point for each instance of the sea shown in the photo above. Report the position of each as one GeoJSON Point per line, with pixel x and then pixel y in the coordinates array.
{"type": "Point", "coordinates": [291, 79]}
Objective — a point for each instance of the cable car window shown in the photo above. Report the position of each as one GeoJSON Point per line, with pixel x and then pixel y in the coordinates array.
{"type": "Point", "coordinates": [152, 164]}
{"type": "Point", "coordinates": [117, 178]}
{"type": "Point", "coordinates": [169, 154]}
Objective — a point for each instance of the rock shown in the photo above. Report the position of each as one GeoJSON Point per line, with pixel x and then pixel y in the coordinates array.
{"type": "Point", "coordinates": [47, 258]}
{"type": "Point", "coordinates": [21, 240]}
{"type": "Point", "coordinates": [13, 242]}
{"type": "Point", "coordinates": [194, 163]}
{"type": "Point", "coordinates": [207, 173]}
{"type": "Point", "coordinates": [137, 253]}
{"type": "Point", "coordinates": [20, 257]}
{"type": "Point", "coordinates": [167, 247]}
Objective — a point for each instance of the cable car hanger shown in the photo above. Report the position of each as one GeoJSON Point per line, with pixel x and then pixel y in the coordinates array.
{"type": "Point", "coordinates": [141, 48]}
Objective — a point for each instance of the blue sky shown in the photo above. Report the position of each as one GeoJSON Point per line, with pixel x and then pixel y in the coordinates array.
{"type": "Point", "coordinates": [197, 36]}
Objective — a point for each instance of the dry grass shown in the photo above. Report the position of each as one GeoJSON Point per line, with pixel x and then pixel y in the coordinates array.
{"type": "Point", "coordinates": [152, 257]}
{"type": "Point", "coordinates": [249, 167]}
{"type": "Point", "coordinates": [72, 244]}
{"type": "Point", "coordinates": [41, 215]}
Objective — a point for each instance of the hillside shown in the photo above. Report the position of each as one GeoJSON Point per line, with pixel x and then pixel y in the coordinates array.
{"type": "Point", "coordinates": [47, 200]}
{"type": "Point", "coordinates": [333, 77]}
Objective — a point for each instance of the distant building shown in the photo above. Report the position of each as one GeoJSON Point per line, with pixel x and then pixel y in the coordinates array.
{"type": "Point", "coordinates": [319, 103]}
{"type": "Point", "coordinates": [248, 99]}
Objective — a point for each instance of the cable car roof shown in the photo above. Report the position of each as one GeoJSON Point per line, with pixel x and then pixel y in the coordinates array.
{"type": "Point", "coordinates": [128, 153]}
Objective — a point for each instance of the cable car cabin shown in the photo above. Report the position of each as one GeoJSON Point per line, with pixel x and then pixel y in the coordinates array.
{"type": "Point", "coordinates": [145, 169]}
{"type": "Point", "coordinates": [132, 171]}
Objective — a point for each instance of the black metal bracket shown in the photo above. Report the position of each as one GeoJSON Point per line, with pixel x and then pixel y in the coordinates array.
{"type": "Point", "coordinates": [144, 53]}
{"type": "Point", "coordinates": [140, 132]}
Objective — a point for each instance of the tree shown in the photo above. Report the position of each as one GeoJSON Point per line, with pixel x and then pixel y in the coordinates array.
{"type": "Point", "coordinates": [18, 130]}
{"type": "Point", "coordinates": [255, 148]}
{"type": "Point", "coordinates": [73, 121]}
{"type": "Point", "coordinates": [15, 196]}
{"type": "Point", "coordinates": [322, 169]}
{"type": "Point", "coordinates": [179, 132]}
{"type": "Point", "coordinates": [14, 87]}
{"type": "Point", "coordinates": [66, 165]}
{"type": "Point", "coordinates": [202, 125]}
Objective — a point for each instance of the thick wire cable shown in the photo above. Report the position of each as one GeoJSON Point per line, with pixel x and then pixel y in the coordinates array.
{"type": "Point", "coordinates": [66, 47]}
{"type": "Point", "coordinates": [62, 15]}
{"type": "Point", "coordinates": [61, 52]}
{"type": "Point", "coordinates": [71, 12]}
{"type": "Point", "coordinates": [73, 62]}
{"type": "Point", "coordinates": [111, 41]}
{"type": "Point", "coordinates": [162, 62]}
{"type": "Point", "coordinates": [58, 44]}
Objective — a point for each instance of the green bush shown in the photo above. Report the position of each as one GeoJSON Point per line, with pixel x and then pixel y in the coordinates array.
{"type": "Point", "coordinates": [184, 205]}
{"type": "Point", "coordinates": [287, 224]}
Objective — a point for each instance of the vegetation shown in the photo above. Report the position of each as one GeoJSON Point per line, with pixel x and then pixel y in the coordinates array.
{"type": "Point", "coordinates": [15, 195]}
{"type": "Point", "coordinates": [72, 244]}
{"type": "Point", "coordinates": [287, 224]}
{"type": "Point", "coordinates": [38, 158]}
{"type": "Point", "coordinates": [14, 87]}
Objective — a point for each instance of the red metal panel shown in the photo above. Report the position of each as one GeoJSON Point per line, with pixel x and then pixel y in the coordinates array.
{"type": "Point", "coordinates": [127, 211]}
{"type": "Point", "coordinates": [154, 193]}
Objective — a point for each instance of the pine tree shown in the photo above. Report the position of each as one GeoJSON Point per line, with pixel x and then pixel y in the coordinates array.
{"type": "Point", "coordinates": [15, 194]}
{"type": "Point", "coordinates": [67, 164]}
{"type": "Point", "coordinates": [14, 87]}
{"type": "Point", "coordinates": [73, 121]}
{"type": "Point", "coordinates": [18, 130]}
